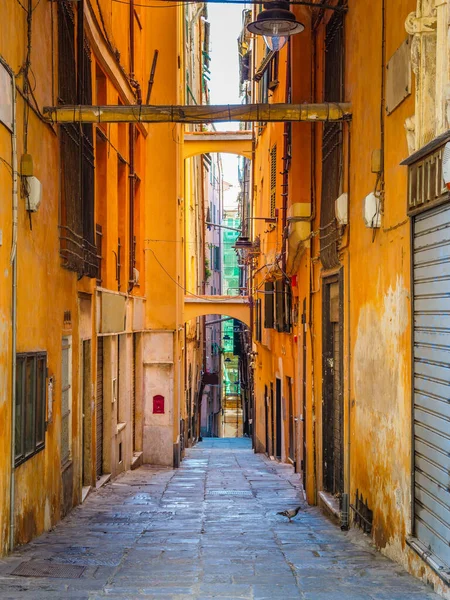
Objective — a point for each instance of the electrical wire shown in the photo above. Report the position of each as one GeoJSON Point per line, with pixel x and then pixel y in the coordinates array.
{"type": "Point", "coordinates": [21, 5]}
{"type": "Point", "coordinates": [7, 164]}
{"type": "Point", "coordinates": [312, 5]}
{"type": "Point", "coordinates": [153, 5]}
{"type": "Point", "coordinates": [217, 301]}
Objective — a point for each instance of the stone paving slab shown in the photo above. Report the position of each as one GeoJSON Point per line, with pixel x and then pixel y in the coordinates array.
{"type": "Point", "coordinates": [207, 530]}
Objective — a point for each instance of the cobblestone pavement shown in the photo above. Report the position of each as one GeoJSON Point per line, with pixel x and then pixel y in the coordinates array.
{"type": "Point", "coordinates": [206, 530]}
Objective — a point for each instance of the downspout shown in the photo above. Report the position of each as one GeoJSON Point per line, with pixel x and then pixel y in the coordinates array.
{"type": "Point", "coordinates": [132, 190]}
{"type": "Point", "coordinates": [13, 259]}
{"type": "Point", "coordinates": [131, 39]}
{"type": "Point", "coordinates": [133, 81]}
{"type": "Point", "coordinates": [131, 174]}
{"type": "Point", "coordinates": [286, 158]}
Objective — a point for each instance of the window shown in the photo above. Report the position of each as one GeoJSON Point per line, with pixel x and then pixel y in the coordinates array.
{"type": "Point", "coordinates": [216, 258]}
{"type": "Point", "coordinates": [273, 180]}
{"type": "Point", "coordinates": [268, 305]}
{"type": "Point", "coordinates": [332, 142]}
{"type": "Point", "coordinates": [258, 320]}
{"type": "Point", "coordinates": [31, 373]}
{"type": "Point", "coordinates": [267, 77]}
{"type": "Point", "coordinates": [77, 226]}
{"type": "Point", "coordinates": [283, 306]}
{"type": "Point", "coordinates": [66, 400]}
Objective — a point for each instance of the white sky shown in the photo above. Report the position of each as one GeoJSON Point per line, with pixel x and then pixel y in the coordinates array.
{"type": "Point", "coordinates": [226, 23]}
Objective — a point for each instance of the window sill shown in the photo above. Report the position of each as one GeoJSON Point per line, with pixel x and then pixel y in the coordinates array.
{"type": "Point", "coordinates": [23, 460]}
{"type": "Point", "coordinates": [120, 427]}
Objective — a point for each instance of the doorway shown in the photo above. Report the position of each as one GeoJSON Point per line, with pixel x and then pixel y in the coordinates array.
{"type": "Point", "coordinates": [332, 418]}
{"type": "Point", "coordinates": [87, 414]}
{"type": "Point", "coordinates": [279, 416]}
{"type": "Point", "coordinates": [99, 409]}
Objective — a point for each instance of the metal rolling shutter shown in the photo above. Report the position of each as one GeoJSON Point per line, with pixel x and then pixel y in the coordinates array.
{"type": "Point", "coordinates": [99, 407]}
{"type": "Point", "coordinates": [432, 382]}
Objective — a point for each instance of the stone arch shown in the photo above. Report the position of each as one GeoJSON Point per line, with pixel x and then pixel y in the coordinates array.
{"type": "Point", "coordinates": [229, 142]}
{"type": "Point", "coordinates": [236, 307]}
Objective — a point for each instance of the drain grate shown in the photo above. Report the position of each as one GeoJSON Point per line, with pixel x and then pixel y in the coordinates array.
{"type": "Point", "coordinates": [230, 493]}
{"type": "Point", "coordinates": [37, 568]}
{"type": "Point", "coordinates": [80, 555]}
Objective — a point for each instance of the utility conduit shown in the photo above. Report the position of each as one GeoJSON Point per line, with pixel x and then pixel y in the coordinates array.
{"type": "Point", "coordinates": [13, 260]}
{"type": "Point", "coordinates": [200, 114]}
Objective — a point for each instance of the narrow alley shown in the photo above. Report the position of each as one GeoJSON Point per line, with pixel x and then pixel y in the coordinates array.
{"type": "Point", "coordinates": [207, 530]}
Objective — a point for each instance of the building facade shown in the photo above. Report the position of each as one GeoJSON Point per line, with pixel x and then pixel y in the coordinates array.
{"type": "Point", "coordinates": [348, 327]}
{"type": "Point", "coordinates": [94, 346]}
{"type": "Point", "coordinates": [211, 401]}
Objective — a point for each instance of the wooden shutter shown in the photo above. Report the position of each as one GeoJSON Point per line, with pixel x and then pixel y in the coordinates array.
{"type": "Point", "coordinates": [279, 305]}
{"type": "Point", "coordinates": [268, 305]}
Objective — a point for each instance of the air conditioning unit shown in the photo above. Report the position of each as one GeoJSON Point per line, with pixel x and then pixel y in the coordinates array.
{"type": "Point", "coordinates": [33, 193]}
{"type": "Point", "coordinates": [341, 209]}
{"type": "Point", "coordinates": [372, 211]}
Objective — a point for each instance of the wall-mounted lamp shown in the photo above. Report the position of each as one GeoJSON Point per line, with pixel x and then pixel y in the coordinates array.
{"type": "Point", "coordinates": [276, 23]}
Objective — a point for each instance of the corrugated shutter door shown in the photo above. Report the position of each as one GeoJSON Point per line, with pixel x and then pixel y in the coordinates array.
{"type": "Point", "coordinates": [99, 407]}
{"type": "Point", "coordinates": [432, 381]}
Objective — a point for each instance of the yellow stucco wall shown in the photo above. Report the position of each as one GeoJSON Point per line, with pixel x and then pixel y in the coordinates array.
{"type": "Point", "coordinates": [45, 290]}
{"type": "Point", "coordinates": [377, 292]}
{"type": "Point", "coordinates": [5, 334]}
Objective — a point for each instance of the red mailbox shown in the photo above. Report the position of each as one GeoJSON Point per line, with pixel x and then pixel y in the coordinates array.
{"type": "Point", "coordinates": [158, 405]}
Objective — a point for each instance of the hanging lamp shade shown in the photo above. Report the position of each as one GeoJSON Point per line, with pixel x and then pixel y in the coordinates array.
{"type": "Point", "coordinates": [276, 23]}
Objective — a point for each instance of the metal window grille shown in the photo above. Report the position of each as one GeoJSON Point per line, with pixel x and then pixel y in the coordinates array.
{"type": "Point", "coordinates": [77, 235]}
{"type": "Point", "coordinates": [99, 244]}
{"type": "Point", "coordinates": [273, 180]}
{"type": "Point", "coordinates": [332, 143]}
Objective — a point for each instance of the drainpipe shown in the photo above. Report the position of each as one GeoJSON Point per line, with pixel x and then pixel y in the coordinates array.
{"type": "Point", "coordinates": [13, 259]}
{"type": "Point", "coordinates": [286, 157]}
{"type": "Point", "coordinates": [132, 193]}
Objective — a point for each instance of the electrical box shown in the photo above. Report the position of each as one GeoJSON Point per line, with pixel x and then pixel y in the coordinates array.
{"type": "Point", "coordinates": [341, 209]}
{"type": "Point", "coordinates": [372, 211]}
{"type": "Point", "coordinates": [158, 405]}
{"type": "Point", "coordinates": [34, 193]}
{"type": "Point", "coordinates": [376, 161]}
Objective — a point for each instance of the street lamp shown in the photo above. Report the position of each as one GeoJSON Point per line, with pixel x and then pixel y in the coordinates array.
{"type": "Point", "coordinates": [276, 23]}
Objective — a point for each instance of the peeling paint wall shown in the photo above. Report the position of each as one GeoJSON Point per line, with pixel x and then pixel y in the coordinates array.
{"type": "Point", "coordinates": [47, 293]}
{"type": "Point", "coordinates": [277, 351]}
{"type": "Point", "coordinates": [374, 265]}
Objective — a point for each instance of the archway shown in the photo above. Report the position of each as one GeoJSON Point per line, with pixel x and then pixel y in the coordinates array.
{"type": "Point", "coordinates": [219, 400]}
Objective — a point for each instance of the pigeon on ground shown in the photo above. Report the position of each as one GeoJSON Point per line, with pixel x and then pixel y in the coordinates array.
{"type": "Point", "coordinates": [290, 513]}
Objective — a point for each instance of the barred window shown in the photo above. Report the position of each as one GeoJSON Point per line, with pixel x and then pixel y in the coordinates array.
{"type": "Point", "coordinates": [31, 373]}
{"type": "Point", "coordinates": [77, 227]}
{"type": "Point", "coordinates": [273, 180]}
